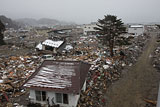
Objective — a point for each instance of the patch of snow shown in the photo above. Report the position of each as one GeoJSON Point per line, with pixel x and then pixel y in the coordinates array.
{"type": "Point", "coordinates": [53, 76]}
{"type": "Point", "coordinates": [39, 46]}
{"type": "Point", "coordinates": [52, 43]}
{"type": "Point", "coordinates": [68, 47]}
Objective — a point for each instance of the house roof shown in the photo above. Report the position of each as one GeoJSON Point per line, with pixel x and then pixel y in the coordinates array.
{"type": "Point", "coordinates": [59, 76]}
{"type": "Point", "coordinates": [52, 43]}
{"type": "Point", "coordinates": [39, 46]}
{"type": "Point", "coordinates": [136, 26]}
{"type": "Point", "coordinates": [55, 30]}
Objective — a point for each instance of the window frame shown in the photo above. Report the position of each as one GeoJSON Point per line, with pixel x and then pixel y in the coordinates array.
{"type": "Point", "coordinates": [41, 95]}
{"type": "Point", "coordinates": [64, 98]}
{"type": "Point", "coordinates": [58, 97]}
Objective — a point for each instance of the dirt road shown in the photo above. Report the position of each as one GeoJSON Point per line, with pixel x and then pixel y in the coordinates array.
{"type": "Point", "coordinates": [137, 82]}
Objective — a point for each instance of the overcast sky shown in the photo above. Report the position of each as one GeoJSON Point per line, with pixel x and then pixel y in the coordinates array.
{"type": "Point", "coordinates": [82, 11]}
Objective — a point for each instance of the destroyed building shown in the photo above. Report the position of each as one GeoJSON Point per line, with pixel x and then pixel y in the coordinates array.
{"type": "Point", "coordinates": [42, 30]}
{"type": "Point", "coordinates": [68, 34]}
{"type": "Point", "coordinates": [136, 29]}
{"type": "Point", "coordinates": [88, 29]}
{"type": "Point", "coordinates": [52, 46]}
{"type": "Point", "coordinates": [59, 34]}
{"type": "Point", "coordinates": [58, 83]}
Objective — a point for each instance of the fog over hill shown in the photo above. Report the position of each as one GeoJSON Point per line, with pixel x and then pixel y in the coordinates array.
{"type": "Point", "coordinates": [9, 23]}
{"type": "Point", "coordinates": [42, 22]}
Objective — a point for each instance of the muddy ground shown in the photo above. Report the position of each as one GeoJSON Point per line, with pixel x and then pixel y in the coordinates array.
{"type": "Point", "coordinates": [139, 82]}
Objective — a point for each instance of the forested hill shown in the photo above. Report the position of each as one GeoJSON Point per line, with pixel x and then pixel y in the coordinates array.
{"type": "Point", "coordinates": [9, 23]}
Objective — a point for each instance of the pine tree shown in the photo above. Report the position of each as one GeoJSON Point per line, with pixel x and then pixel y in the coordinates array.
{"type": "Point", "coordinates": [2, 28]}
{"type": "Point", "coordinates": [158, 26]}
{"type": "Point", "coordinates": [110, 28]}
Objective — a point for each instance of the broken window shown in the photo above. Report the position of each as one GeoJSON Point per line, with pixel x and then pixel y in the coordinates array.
{"type": "Point", "coordinates": [43, 96]}
{"type": "Point", "coordinates": [40, 95]}
{"type": "Point", "coordinates": [49, 48]}
{"type": "Point", "coordinates": [65, 98]}
{"type": "Point", "coordinates": [62, 98]}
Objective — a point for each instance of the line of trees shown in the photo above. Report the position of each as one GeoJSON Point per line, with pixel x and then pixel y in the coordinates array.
{"type": "Point", "coordinates": [2, 28]}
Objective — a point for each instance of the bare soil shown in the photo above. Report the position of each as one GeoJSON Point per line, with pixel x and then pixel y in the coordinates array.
{"type": "Point", "coordinates": [6, 51]}
{"type": "Point", "coordinates": [139, 82]}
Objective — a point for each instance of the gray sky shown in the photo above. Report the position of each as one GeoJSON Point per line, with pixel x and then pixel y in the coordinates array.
{"type": "Point", "coordinates": [82, 11]}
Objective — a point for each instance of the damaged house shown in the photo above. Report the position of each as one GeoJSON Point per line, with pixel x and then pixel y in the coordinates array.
{"type": "Point", "coordinates": [51, 45]}
{"type": "Point", "coordinates": [59, 34]}
{"type": "Point", "coordinates": [58, 83]}
{"type": "Point", "coordinates": [62, 34]}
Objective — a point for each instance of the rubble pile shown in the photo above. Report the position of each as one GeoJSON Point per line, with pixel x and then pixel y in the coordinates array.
{"type": "Point", "coordinates": [104, 70]}
{"type": "Point", "coordinates": [14, 71]}
{"type": "Point", "coordinates": [135, 49]}
{"type": "Point", "coordinates": [156, 56]}
{"type": "Point", "coordinates": [100, 76]}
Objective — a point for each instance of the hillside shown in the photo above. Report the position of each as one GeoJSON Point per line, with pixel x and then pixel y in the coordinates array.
{"type": "Point", "coordinates": [9, 23]}
{"type": "Point", "coordinates": [42, 22]}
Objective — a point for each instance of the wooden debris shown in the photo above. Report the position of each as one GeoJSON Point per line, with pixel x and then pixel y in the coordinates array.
{"type": "Point", "coordinates": [150, 101]}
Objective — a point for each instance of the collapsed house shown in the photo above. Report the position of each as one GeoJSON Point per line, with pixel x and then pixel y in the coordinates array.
{"type": "Point", "coordinates": [51, 45]}
{"type": "Point", "coordinates": [61, 34]}
{"type": "Point", "coordinates": [59, 31]}
{"type": "Point", "coordinates": [58, 82]}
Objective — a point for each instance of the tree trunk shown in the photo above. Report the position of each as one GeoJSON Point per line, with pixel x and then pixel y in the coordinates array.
{"type": "Point", "coordinates": [111, 42]}
{"type": "Point", "coordinates": [111, 51]}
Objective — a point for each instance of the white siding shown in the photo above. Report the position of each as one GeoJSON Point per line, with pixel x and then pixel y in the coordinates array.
{"type": "Point", "coordinates": [84, 86]}
{"type": "Point", "coordinates": [136, 30]}
{"type": "Point", "coordinates": [32, 97]}
{"type": "Point", "coordinates": [88, 28]}
{"type": "Point", "coordinates": [43, 47]}
{"type": "Point", "coordinates": [51, 96]}
{"type": "Point", "coordinates": [73, 99]}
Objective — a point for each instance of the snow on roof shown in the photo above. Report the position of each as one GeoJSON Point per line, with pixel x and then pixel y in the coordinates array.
{"type": "Point", "coordinates": [136, 26]}
{"type": "Point", "coordinates": [39, 46]}
{"type": "Point", "coordinates": [52, 43]}
{"type": "Point", "coordinates": [53, 76]}
{"type": "Point", "coordinates": [60, 76]}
